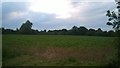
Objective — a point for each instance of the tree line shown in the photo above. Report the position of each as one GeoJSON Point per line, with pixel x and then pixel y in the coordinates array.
{"type": "Point", "coordinates": [26, 28]}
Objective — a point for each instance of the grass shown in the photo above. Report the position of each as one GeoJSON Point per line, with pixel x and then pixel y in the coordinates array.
{"type": "Point", "coordinates": [57, 50]}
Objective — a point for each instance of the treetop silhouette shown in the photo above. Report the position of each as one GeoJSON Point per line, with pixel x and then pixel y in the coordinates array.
{"type": "Point", "coordinates": [26, 27]}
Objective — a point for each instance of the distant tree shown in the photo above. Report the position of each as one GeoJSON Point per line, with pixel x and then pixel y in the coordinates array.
{"type": "Point", "coordinates": [35, 32]}
{"type": "Point", "coordinates": [91, 32]}
{"type": "Point", "coordinates": [26, 27]}
{"type": "Point", "coordinates": [56, 32]}
{"type": "Point", "coordinates": [111, 33]}
{"type": "Point", "coordinates": [82, 30]}
{"type": "Point", "coordinates": [99, 32]}
{"type": "Point", "coordinates": [64, 31]}
{"type": "Point", "coordinates": [44, 31]}
{"type": "Point", "coordinates": [105, 33]}
{"type": "Point", "coordinates": [74, 30]}
{"type": "Point", "coordinates": [9, 31]}
{"type": "Point", "coordinates": [50, 32]}
{"type": "Point", "coordinates": [0, 30]}
{"type": "Point", "coordinates": [17, 29]}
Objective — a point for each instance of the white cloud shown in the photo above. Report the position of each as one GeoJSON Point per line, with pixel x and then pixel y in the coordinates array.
{"type": "Point", "coordinates": [93, 0]}
{"type": "Point", "coordinates": [15, 0]}
{"type": "Point", "coordinates": [61, 8]}
{"type": "Point", "coordinates": [56, 0]}
{"type": "Point", "coordinates": [49, 16]}
{"type": "Point", "coordinates": [16, 15]}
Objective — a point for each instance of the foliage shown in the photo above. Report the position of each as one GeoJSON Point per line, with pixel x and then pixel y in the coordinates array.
{"type": "Point", "coordinates": [113, 20]}
{"type": "Point", "coordinates": [26, 27]}
{"type": "Point", "coordinates": [74, 31]}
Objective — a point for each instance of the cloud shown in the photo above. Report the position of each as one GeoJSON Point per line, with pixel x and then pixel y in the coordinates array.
{"type": "Point", "coordinates": [61, 8]}
{"type": "Point", "coordinates": [93, 0]}
{"type": "Point", "coordinates": [88, 14]}
{"type": "Point", "coordinates": [13, 8]}
{"type": "Point", "coordinates": [15, 0]}
{"type": "Point", "coordinates": [13, 14]}
{"type": "Point", "coordinates": [72, 0]}
{"type": "Point", "coordinates": [16, 15]}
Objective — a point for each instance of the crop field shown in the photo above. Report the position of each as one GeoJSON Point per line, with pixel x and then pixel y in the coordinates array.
{"type": "Point", "coordinates": [57, 50]}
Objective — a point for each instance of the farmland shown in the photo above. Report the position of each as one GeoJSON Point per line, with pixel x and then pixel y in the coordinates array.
{"type": "Point", "coordinates": [57, 50]}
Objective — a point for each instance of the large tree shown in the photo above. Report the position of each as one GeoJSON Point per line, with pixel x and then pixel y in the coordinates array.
{"type": "Point", "coordinates": [26, 27]}
{"type": "Point", "coordinates": [113, 20]}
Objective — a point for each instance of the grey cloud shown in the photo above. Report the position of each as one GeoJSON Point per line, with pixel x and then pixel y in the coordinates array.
{"type": "Point", "coordinates": [9, 7]}
{"type": "Point", "coordinates": [94, 13]}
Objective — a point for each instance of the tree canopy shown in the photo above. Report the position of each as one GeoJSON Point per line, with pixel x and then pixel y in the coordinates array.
{"type": "Point", "coordinates": [26, 28]}
{"type": "Point", "coordinates": [113, 20]}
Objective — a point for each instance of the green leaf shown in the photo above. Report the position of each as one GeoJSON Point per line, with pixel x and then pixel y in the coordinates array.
{"type": "Point", "coordinates": [109, 23]}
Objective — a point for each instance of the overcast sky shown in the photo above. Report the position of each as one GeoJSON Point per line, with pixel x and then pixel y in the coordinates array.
{"type": "Point", "coordinates": [56, 14]}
